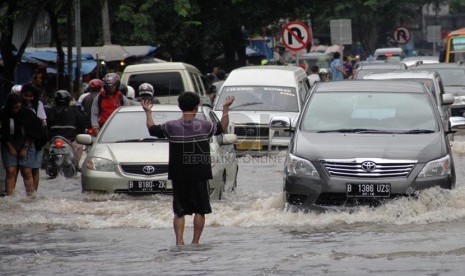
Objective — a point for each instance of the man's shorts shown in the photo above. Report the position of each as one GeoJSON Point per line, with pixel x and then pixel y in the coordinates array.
{"type": "Point", "coordinates": [9, 161]}
{"type": "Point", "coordinates": [191, 197]}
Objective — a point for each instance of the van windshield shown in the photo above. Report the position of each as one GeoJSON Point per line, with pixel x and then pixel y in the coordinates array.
{"type": "Point", "coordinates": [260, 98]}
{"type": "Point", "coordinates": [167, 85]}
{"type": "Point", "coordinates": [388, 112]}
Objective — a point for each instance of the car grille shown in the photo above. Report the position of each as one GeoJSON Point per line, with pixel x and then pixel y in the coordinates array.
{"type": "Point", "coordinates": [369, 168]}
{"type": "Point", "coordinates": [145, 169]}
{"type": "Point", "coordinates": [252, 131]}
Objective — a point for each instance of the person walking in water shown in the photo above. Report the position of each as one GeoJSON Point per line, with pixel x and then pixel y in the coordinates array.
{"type": "Point", "coordinates": [189, 166]}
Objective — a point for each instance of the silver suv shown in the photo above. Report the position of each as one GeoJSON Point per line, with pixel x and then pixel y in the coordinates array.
{"type": "Point", "coordinates": [362, 141]}
{"type": "Point", "coordinates": [431, 80]}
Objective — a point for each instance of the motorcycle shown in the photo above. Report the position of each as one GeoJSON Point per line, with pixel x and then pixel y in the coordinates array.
{"type": "Point", "coordinates": [60, 158]}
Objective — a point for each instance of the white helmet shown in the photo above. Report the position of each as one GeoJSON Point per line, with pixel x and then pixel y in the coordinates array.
{"type": "Point", "coordinates": [146, 89]}
{"type": "Point", "coordinates": [131, 93]}
{"type": "Point", "coordinates": [16, 89]}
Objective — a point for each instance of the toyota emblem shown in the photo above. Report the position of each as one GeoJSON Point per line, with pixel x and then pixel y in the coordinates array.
{"type": "Point", "coordinates": [148, 169]}
{"type": "Point", "coordinates": [368, 166]}
{"type": "Point", "coordinates": [250, 131]}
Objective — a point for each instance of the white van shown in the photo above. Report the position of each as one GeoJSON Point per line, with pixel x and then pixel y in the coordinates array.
{"type": "Point", "coordinates": [262, 92]}
{"type": "Point", "coordinates": [394, 54]}
{"type": "Point", "coordinates": [169, 79]}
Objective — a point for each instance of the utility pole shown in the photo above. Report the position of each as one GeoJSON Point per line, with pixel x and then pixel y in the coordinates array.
{"type": "Point", "coordinates": [77, 16]}
{"type": "Point", "coordinates": [106, 23]}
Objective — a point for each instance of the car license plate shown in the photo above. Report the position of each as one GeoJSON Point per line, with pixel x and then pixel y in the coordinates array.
{"type": "Point", "coordinates": [249, 145]}
{"type": "Point", "coordinates": [368, 190]}
{"type": "Point", "coordinates": [147, 185]}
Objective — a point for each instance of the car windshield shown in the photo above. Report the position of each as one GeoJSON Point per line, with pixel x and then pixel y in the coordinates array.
{"type": "Point", "coordinates": [452, 76]}
{"type": "Point", "coordinates": [380, 112]}
{"type": "Point", "coordinates": [260, 98]}
{"type": "Point", "coordinates": [130, 126]}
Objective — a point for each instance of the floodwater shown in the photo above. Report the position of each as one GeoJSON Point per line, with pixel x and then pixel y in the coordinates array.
{"type": "Point", "coordinates": [64, 232]}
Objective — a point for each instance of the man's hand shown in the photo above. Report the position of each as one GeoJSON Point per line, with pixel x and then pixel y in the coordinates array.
{"type": "Point", "coordinates": [228, 102]}
{"type": "Point", "coordinates": [147, 105]}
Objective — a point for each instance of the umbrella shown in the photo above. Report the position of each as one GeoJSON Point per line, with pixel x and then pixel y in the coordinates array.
{"type": "Point", "coordinates": [111, 52]}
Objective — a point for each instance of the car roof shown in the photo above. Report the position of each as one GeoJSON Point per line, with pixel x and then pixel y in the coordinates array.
{"type": "Point", "coordinates": [381, 65]}
{"type": "Point", "coordinates": [270, 75]}
{"type": "Point", "coordinates": [389, 50]}
{"type": "Point", "coordinates": [155, 107]}
{"type": "Point", "coordinates": [370, 86]}
{"type": "Point", "coordinates": [402, 74]}
{"type": "Point", "coordinates": [439, 65]}
{"type": "Point", "coordinates": [159, 66]}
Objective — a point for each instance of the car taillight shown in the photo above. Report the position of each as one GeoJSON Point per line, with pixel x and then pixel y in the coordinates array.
{"type": "Point", "coordinates": [58, 144]}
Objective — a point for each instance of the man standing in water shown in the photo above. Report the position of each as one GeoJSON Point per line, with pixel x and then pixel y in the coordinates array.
{"type": "Point", "coordinates": [189, 166]}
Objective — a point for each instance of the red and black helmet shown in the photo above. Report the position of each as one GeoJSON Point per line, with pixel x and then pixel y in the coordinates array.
{"type": "Point", "coordinates": [95, 85]}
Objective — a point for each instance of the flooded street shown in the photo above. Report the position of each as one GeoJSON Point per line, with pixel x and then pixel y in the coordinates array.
{"type": "Point", "coordinates": [64, 232]}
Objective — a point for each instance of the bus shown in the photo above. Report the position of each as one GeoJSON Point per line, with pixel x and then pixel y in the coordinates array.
{"type": "Point", "coordinates": [454, 50]}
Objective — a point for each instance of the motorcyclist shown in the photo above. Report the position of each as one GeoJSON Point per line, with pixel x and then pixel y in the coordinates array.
{"type": "Point", "coordinates": [146, 91]}
{"type": "Point", "coordinates": [67, 121]}
{"type": "Point", "coordinates": [95, 86]}
{"type": "Point", "coordinates": [107, 101]}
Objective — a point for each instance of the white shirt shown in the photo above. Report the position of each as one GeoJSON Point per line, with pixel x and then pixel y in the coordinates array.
{"type": "Point", "coordinates": [313, 78]}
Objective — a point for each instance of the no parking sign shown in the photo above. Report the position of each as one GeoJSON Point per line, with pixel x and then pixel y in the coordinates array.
{"type": "Point", "coordinates": [401, 35]}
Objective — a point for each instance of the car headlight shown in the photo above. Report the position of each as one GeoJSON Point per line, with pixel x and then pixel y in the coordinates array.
{"type": "Point", "coordinates": [100, 164]}
{"type": "Point", "coordinates": [297, 166]}
{"type": "Point", "coordinates": [438, 167]}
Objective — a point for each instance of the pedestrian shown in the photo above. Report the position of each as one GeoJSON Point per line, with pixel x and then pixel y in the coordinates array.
{"type": "Point", "coordinates": [30, 95]}
{"type": "Point", "coordinates": [336, 67]}
{"type": "Point", "coordinates": [107, 101]}
{"type": "Point", "coordinates": [189, 166]}
{"type": "Point", "coordinates": [314, 77]}
{"type": "Point", "coordinates": [221, 76]}
{"type": "Point", "coordinates": [348, 68]}
{"type": "Point", "coordinates": [21, 131]}
{"type": "Point", "coordinates": [323, 72]}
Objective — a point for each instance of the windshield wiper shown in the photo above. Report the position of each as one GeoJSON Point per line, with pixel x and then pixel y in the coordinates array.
{"type": "Point", "coordinates": [151, 139]}
{"type": "Point", "coordinates": [245, 104]}
{"type": "Point", "coordinates": [417, 131]}
{"type": "Point", "coordinates": [352, 130]}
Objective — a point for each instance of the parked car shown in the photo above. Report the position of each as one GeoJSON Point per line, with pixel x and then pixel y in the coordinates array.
{"type": "Point", "coordinates": [365, 141]}
{"type": "Point", "coordinates": [393, 54]}
{"type": "Point", "coordinates": [169, 79]}
{"type": "Point", "coordinates": [262, 92]}
{"type": "Point", "coordinates": [363, 68]}
{"type": "Point", "coordinates": [124, 158]}
{"type": "Point", "coordinates": [453, 79]}
{"type": "Point", "coordinates": [431, 80]}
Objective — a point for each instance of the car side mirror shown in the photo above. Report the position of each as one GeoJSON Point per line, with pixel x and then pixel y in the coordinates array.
{"type": "Point", "coordinates": [229, 139]}
{"type": "Point", "coordinates": [84, 139]}
{"type": "Point", "coordinates": [447, 99]}
{"type": "Point", "coordinates": [282, 123]}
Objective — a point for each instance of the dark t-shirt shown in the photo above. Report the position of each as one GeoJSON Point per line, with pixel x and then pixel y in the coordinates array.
{"type": "Point", "coordinates": [189, 147]}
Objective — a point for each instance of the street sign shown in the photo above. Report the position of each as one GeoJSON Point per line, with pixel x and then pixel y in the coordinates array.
{"type": "Point", "coordinates": [341, 31]}
{"type": "Point", "coordinates": [295, 36]}
{"type": "Point", "coordinates": [434, 33]}
{"type": "Point", "coordinates": [401, 35]}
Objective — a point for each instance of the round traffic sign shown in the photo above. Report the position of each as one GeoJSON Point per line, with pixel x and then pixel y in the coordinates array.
{"type": "Point", "coordinates": [295, 36]}
{"type": "Point", "coordinates": [401, 35]}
